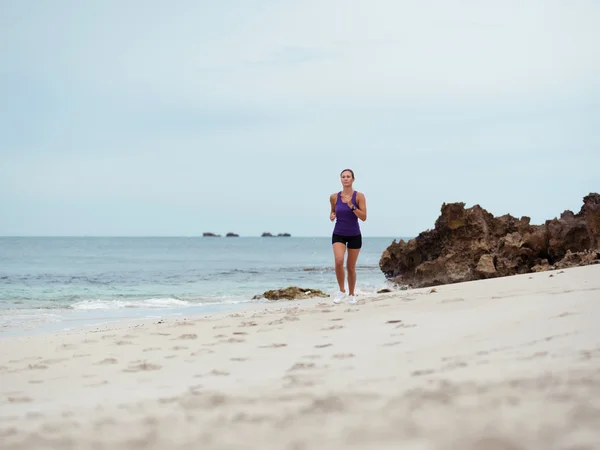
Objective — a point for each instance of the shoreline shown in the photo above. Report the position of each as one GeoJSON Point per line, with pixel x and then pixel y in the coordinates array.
{"type": "Point", "coordinates": [503, 363]}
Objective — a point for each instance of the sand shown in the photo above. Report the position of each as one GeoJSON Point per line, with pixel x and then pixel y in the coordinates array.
{"type": "Point", "coordinates": [511, 363]}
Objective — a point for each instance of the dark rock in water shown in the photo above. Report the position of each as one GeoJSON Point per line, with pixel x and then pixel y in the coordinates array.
{"type": "Point", "coordinates": [211, 235]}
{"type": "Point", "coordinates": [258, 297]}
{"type": "Point", "coordinates": [283, 235]}
{"type": "Point", "coordinates": [266, 234]}
{"type": "Point", "coordinates": [384, 291]}
{"type": "Point", "coordinates": [471, 244]}
{"type": "Point", "coordinates": [230, 234]}
{"type": "Point", "coordinates": [293, 293]}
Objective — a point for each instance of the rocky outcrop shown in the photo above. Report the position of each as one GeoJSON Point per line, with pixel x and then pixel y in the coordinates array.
{"type": "Point", "coordinates": [208, 234]}
{"type": "Point", "coordinates": [470, 244]}
{"type": "Point", "coordinates": [267, 234]}
{"type": "Point", "coordinates": [293, 293]}
{"type": "Point", "coordinates": [230, 234]}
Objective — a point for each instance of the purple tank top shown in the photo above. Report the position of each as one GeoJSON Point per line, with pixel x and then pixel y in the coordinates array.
{"type": "Point", "coordinates": [346, 222]}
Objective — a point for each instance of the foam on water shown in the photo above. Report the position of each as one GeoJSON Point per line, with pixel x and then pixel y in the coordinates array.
{"type": "Point", "coordinates": [150, 303]}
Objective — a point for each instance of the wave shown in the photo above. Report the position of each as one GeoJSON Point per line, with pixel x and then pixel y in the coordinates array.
{"type": "Point", "coordinates": [150, 303]}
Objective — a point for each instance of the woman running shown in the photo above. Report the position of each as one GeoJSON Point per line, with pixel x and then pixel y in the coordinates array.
{"type": "Point", "coordinates": [347, 206]}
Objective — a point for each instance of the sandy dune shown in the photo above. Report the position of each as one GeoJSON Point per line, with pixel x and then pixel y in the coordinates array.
{"type": "Point", "coordinates": [502, 364]}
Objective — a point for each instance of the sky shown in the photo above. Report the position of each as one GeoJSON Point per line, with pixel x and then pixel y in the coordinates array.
{"type": "Point", "coordinates": [160, 118]}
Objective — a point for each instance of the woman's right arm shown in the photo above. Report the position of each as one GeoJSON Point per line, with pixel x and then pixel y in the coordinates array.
{"type": "Point", "coordinates": [332, 202]}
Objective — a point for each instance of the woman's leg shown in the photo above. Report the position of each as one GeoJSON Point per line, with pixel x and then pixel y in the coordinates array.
{"type": "Point", "coordinates": [351, 267]}
{"type": "Point", "coordinates": [338, 252]}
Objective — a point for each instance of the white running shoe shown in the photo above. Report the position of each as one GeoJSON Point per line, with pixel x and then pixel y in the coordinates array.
{"type": "Point", "coordinates": [339, 297]}
{"type": "Point", "coordinates": [351, 300]}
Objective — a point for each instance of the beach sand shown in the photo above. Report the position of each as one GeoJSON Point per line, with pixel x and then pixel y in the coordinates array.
{"type": "Point", "coordinates": [503, 364]}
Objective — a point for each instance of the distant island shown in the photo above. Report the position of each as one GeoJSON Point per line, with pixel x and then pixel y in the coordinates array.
{"type": "Point", "coordinates": [232, 234]}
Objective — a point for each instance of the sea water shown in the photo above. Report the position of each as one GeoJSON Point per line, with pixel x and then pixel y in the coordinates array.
{"type": "Point", "coordinates": [58, 283]}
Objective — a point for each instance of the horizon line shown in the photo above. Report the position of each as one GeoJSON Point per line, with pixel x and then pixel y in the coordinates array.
{"type": "Point", "coordinates": [185, 236]}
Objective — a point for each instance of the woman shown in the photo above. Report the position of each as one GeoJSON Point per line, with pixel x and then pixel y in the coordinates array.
{"type": "Point", "coordinates": [347, 206]}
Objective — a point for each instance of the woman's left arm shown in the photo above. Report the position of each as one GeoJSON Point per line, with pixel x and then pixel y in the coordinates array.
{"type": "Point", "coordinates": [361, 207]}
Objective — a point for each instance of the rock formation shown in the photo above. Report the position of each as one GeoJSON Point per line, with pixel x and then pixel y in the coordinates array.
{"type": "Point", "coordinates": [208, 234]}
{"type": "Point", "coordinates": [230, 234]}
{"type": "Point", "coordinates": [293, 293]}
{"type": "Point", "coordinates": [471, 244]}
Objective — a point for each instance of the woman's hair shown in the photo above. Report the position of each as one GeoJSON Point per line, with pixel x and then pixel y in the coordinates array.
{"type": "Point", "coordinates": [347, 170]}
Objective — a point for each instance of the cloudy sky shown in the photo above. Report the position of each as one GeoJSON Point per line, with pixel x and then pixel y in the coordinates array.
{"type": "Point", "coordinates": [173, 118]}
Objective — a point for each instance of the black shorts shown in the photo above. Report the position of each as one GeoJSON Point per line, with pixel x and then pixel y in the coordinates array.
{"type": "Point", "coordinates": [350, 241]}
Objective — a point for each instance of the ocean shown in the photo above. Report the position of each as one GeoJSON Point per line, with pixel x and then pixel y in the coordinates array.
{"type": "Point", "coordinates": [61, 283]}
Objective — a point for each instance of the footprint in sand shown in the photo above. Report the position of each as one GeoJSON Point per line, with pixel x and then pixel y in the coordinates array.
{"type": "Point", "coordinates": [37, 366]}
{"type": "Point", "coordinates": [201, 351]}
{"type": "Point", "coordinates": [273, 346]}
{"type": "Point", "coordinates": [19, 400]}
{"type": "Point", "coordinates": [240, 332]}
{"type": "Point", "coordinates": [109, 336]}
{"type": "Point", "coordinates": [195, 388]}
{"type": "Point", "coordinates": [418, 373]}
{"type": "Point", "coordinates": [301, 366]}
{"type": "Point", "coordinates": [218, 373]}
{"type": "Point", "coordinates": [100, 383]}
{"type": "Point", "coordinates": [233, 341]}
{"type": "Point", "coordinates": [188, 336]}
{"type": "Point", "coordinates": [239, 359]}
{"type": "Point", "coordinates": [81, 355]}
{"type": "Point", "coordinates": [312, 356]}
{"type": "Point", "coordinates": [53, 361]}
{"type": "Point", "coordinates": [323, 345]}
{"type": "Point", "coordinates": [220, 336]}
{"type": "Point", "coordinates": [106, 361]}
{"type": "Point", "coordinates": [170, 356]}
{"type": "Point", "coordinates": [336, 319]}
{"type": "Point", "coordinates": [36, 381]}
{"type": "Point", "coordinates": [333, 327]}
{"type": "Point", "coordinates": [179, 347]}
{"type": "Point", "coordinates": [453, 300]}
{"type": "Point", "coordinates": [248, 324]}
{"type": "Point", "coordinates": [129, 336]}
{"type": "Point", "coordinates": [124, 343]}
{"type": "Point", "coordinates": [454, 365]}
{"type": "Point", "coordinates": [216, 327]}
{"type": "Point", "coordinates": [566, 314]}
{"type": "Point", "coordinates": [343, 356]}
{"type": "Point", "coordinates": [297, 381]}
{"type": "Point", "coordinates": [391, 344]}
{"type": "Point", "coordinates": [90, 341]}
{"type": "Point", "coordinates": [151, 349]}
{"type": "Point", "coordinates": [142, 367]}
